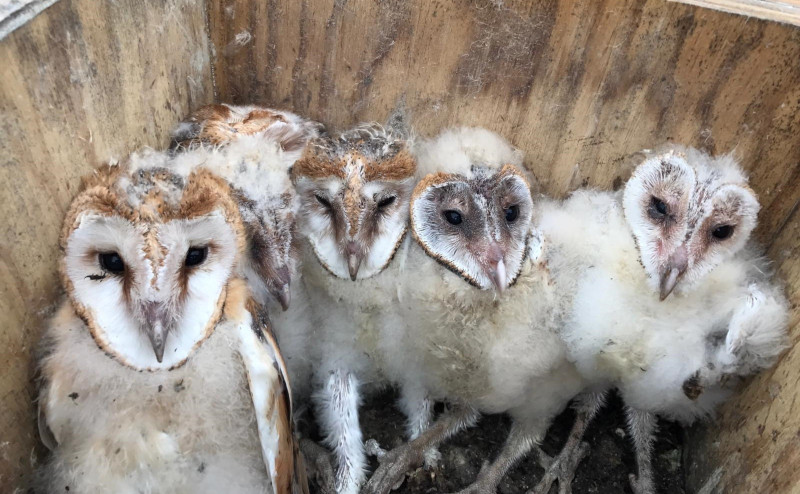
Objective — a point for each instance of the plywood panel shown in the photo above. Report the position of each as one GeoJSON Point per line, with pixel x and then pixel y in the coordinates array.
{"type": "Point", "coordinates": [573, 83]}
{"type": "Point", "coordinates": [82, 83]}
{"type": "Point", "coordinates": [578, 85]}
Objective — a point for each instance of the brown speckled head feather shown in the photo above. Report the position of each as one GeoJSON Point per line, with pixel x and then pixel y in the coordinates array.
{"type": "Point", "coordinates": [315, 163]}
{"type": "Point", "coordinates": [399, 167]}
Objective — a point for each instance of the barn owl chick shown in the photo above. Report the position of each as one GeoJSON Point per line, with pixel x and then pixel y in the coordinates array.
{"type": "Point", "coordinates": [160, 372]}
{"type": "Point", "coordinates": [354, 190]}
{"type": "Point", "coordinates": [253, 148]}
{"type": "Point", "coordinates": [679, 228]}
{"type": "Point", "coordinates": [476, 320]}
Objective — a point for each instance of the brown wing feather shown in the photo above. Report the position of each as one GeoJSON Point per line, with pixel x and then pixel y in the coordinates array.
{"type": "Point", "coordinates": [290, 468]}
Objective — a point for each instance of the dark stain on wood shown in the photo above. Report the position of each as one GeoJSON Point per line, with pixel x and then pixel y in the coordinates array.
{"type": "Point", "coordinates": [507, 49]}
{"type": "Point", "coordinates": [301, 95]}
{"type": "Point", "coordinates": [327, 87]}
{"type": "Point", "coordinates": [392, 22]}
{"type": "Point", "coordinates": [271, 49]}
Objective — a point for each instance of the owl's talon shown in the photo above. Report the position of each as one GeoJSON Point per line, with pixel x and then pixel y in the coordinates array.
{"type": "Point", "coordinates": [373, 448]}
{"type": "Point", "coordinates": [432, 459]}
{"type": "Point", "coordinates": [319, 464]}
{"type": "Point", "coordinates": [563, 469]}
{"type": "Point", "coordinates": [391, 473]}
{"type": "Point", "coordinates": [480, 486]}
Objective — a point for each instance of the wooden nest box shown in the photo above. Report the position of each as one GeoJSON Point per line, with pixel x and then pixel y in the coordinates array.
{"type": "Point", "coordinates": [577, 85]}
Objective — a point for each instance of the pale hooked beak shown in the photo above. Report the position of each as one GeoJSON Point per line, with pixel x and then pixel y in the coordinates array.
{"type": "Point", "coordinates": [157, 324]}
{"type": "Point", "coordinates": [676, 266]}
{"type": "Point", "coordinates": [354, 257]}
{"type": "Point", "coordinates": [284, 295]}
{"type": "Point", "coordinates": [282, 287]}
{"type": "Point", "coordinates": [495, 267]}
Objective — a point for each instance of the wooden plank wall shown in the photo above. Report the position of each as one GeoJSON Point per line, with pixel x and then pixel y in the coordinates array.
{"type": "Point", "coordinates": [578, 85]}
{"type": "Point", "coordinates": [82, 83]}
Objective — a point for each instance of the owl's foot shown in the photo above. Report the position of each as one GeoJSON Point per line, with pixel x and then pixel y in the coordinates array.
{"type": "Point", "coordinates": [393, 467]}
{"type": "Point", "coordinates": [372, 448]}
{"type": "Point", "coordinates": [432, 459]}
{"type": "Point", "coordinates": [319, 465]}
{"type": "Point", "coordinates": [562, 469]}
{"type": "Point", "coordinates": [642, 484]}
{"type": "Point", "coordinates": [486, 482]}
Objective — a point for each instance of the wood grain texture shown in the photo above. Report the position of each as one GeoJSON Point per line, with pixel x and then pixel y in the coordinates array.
{"type": "Point", "coordinates": [579, 86]}
{"type": "Point", "coordinates": [82, 83]}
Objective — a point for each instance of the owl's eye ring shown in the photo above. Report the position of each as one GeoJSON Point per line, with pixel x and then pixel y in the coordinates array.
{"type": "Point", "coordinates": [196, 256]}
{"type": "Point", "coordinates": [386, 202]}
{"type": "Point", "coordinates": [111, 262]}
{"type": "Point", "coordinates": [511, 212]}
{"type": "Point", "coordinates": [722, 232]}
{"type": "Point", "coordinates": [326, 203]}
{"type": "Point", "coordinates": [657, 209]}
{"type": "Point", "coordinates": [453, 217]}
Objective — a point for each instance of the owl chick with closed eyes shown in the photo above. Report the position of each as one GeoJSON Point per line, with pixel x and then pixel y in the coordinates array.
{"type": "Point", "coordinates": [253, 148]}
{"type": "Point", "coordinates": [354, 190]}
{"type": "Point", "coordinates": [159, 372]}
{"type": "Point", "coordinates": [476, 322]}
{"type": "Point", "coordinates": [672, 304]}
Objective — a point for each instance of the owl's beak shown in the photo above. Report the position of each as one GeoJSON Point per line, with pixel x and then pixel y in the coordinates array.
{"type": "Point", "coordinates": [282, 289]}
{"type": "Point", "coordinates": [354, 257]}
{"type": "Point", "coordinates": [495, 267]}
{"type": "Point", "coordinates": [283, 294]}
{"type": "Point", "coordinates": [676, 266]}
{"type": "Point", "coordinates": [498, 275]}
{"type": "Point", "coordinates": [157, 326]}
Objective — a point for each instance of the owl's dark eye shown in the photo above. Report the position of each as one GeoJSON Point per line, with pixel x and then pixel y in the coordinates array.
{"type": "Point", "coordinates": [195, 256]}
{"type": "Point", "coordinates": [326, 203]}
{"type": "Point", "coordinates": [657, 209]}
{"type": "Point", "coordinates": [511, 213]}
{"type": "Point", "coordinates": [386, 202]}
{"type": "Point", "coordinates": [722, 232]}
{"type": "Point", "coordinates": [112, 262]}
{"type": "Point", "coordinates": [453, 217]}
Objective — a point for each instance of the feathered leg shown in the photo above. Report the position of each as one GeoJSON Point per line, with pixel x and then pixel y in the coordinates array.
{"type": "Point", "coordinates": [395, 463]}
{"type": "Point", "coordinates": [574, 451]}
{"type": "Point", "coordinates": [642, 426]}
{"type": "Point", "coordinates": [337, 408]}
{"type": "Point", "coordinates": [418, 408]}
{"type": "Point", "coordinates": [519, 442]}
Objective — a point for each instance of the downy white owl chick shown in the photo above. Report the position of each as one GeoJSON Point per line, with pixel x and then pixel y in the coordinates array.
{"type": "Point", "coordinates": [354, 191]}
{"type": "Point", "coordinates": [253, 148]}
{"type": "Point", "coordinates": [159, 373]}
{"type": "Point", "coordinates": [678, 228]}
{"type": "Point", "coordinates": [477, 321]}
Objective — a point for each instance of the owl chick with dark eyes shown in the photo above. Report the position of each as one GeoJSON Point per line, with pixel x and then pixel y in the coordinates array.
{"type": "Point", "coordinates": [354, 190]}
{"type": "Point", "coordinates": [672, 305]}
{"type": "Point", "coordinates": [476, 322]}
{"type": "Point", "coordinates": [159, 372]}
